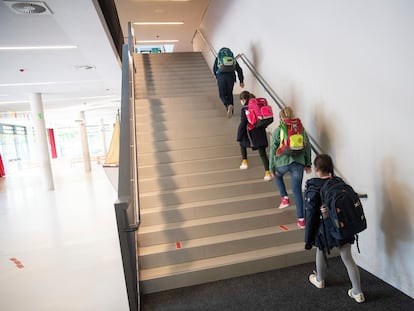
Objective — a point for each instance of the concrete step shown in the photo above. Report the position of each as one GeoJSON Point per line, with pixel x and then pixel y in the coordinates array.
{"type": "Point", "coordinates": [192, 142]}
{"type": "Point", "coordinates": [179, 181]}
{"type": "Point", "coordinates": [144, 116]}
{"type": "Point", "coordinates": [190, 154]}
{"type": "Point", "coordinates": [204, 193]}
{"type": "Point", "coordinates": [216, 246]}
{"type": "Point", "coordinates": [189, 123]}
{"type": "Point", "coordinates": [223, 267]}
{"type": "Point", "coordinates": [212, 226]}
{"type": "Point", "coordinates": [202, 131]}
{"type": "Point", "coordinates": [210, 208]}
{"type": "Point", "coordinates": [181, 104]}
{"type": "Point", "coordinates": [193, 167]}
{"type": "Point", "coordinates": [164, 79]}
{"type": "Point", "coordinates": [173, 93]}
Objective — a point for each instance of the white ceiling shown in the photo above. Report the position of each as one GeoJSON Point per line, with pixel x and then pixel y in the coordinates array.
{"type": "Point", "coordinates": [58, 75]}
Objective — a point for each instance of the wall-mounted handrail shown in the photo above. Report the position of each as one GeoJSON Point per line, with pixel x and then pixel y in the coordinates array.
{"type": "Point", "coordinates": [268, 89]}
{"type": "Point", "coordinates": [316, 148]}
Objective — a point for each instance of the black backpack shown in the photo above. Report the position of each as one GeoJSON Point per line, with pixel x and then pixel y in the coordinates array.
{"type": "Point", "coordinates": [345, 212]}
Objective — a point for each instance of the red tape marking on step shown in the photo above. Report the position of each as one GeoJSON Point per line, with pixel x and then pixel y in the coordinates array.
{"type": "Point", "coordinates": [17, 263]}
{"type": "Point", "coordinates": [178, 245]}
{"type": "Point", "coordinates": [284, 228]}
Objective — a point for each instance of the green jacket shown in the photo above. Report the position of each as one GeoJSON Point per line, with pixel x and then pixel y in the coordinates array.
{"type": "Point", "coordinates": [303, 158]}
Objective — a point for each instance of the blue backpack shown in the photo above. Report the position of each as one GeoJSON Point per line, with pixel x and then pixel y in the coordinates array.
{"type": "Point", "coordinates": [345, 213]}
{"type": "Point", "coordinates": [225, 61]}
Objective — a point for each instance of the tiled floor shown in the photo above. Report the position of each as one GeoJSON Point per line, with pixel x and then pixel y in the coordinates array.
{"type": "Point", "coordinates": [59, 250]}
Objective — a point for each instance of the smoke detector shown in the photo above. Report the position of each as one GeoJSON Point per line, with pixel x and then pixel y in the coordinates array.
{"type": "Point", "coordinates": [29, 8]}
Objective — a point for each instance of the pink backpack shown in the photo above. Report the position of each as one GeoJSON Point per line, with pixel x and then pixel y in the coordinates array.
{"type": "Point", "coordinates": [259, 113]}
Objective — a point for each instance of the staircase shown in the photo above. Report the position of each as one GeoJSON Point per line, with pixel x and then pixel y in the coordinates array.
{"type": "Point", "coordinates": [202, 218]}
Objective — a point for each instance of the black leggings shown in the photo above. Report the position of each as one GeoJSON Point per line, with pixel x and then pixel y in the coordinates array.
{"type": "Point", "coordinates": [263, 156]}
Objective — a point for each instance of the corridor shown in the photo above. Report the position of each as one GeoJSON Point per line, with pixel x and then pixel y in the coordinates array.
{"type": "Point", "coordinates": [59, 250]}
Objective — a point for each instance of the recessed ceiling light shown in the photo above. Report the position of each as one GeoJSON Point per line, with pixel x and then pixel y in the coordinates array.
{"type": "Point", "coordinates": [46, 83]}
{"type": "Point", "coordinates": [46, 47]}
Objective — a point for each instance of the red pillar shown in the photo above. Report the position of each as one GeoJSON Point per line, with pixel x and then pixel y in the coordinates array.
{"type": "Point", "coordinates": [52, 143]}
{"type": "Point", "coordinates": [2, 172]}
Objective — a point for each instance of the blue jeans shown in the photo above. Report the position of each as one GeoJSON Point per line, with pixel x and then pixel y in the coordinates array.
{"type": "Point", "coordinates": [296, 173]}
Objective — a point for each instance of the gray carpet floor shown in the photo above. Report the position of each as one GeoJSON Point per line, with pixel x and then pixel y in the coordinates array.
{"type": "Point", "coordinates": [284, 289]}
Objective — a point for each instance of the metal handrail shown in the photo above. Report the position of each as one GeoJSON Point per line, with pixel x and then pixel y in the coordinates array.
{"type": "Point", "coordinates": [126, 206]}
{"type": "Point", "coordinates": [268, 89]}
{"type": "Point", "coordinates": [316, 148]}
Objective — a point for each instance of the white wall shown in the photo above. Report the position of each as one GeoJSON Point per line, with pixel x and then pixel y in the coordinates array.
{"type": "Point", "coordinates": [347, 67]}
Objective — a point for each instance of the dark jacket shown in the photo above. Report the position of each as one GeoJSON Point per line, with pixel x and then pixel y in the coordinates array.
{"type": "Point", "coordinates": [232, 73]}
{"type": "Point", "coordinates": [317, 231]}
{"type": "Point", "coordinates": [250, 139]}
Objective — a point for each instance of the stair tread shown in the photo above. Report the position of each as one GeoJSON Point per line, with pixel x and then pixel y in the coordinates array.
{"type": "Point", "coordinates": [241, 182]}
{"type": "Point", "coordinates": [210, 263]}
{"type": "Point", "coordinates": [188, 149]}
{"type": "Point", "coordinates": [207, 202]}
{"type": "Point", "coordinates": [186, 244]}
{"type": "Point", "coordinates": [203, 173]}
{"type": "Point", "coordinates": [209, 220]}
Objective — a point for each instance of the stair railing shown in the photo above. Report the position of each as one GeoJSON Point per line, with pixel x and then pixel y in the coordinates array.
{"type": "Point", "coordinates": [316, 148]}
{"type": "Point", "coordinates": [127, 205]}
{"type": "Point", "coordinates": [268, 89]}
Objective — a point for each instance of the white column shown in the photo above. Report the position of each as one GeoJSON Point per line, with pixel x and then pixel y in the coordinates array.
{"type": "Point", "coordinates": [39, 124]}
{"type": "Point", "coordinates": [103, 137]}
{"type": "Point", "coordinates": [84, 140]}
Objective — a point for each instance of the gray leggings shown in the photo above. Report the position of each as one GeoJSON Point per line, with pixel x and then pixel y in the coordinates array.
{"type": "Point", "coordinates": [351, 267]}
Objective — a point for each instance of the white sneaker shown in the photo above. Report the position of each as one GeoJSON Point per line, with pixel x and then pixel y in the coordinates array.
{"type": "Point", "coordinates": [243, 165]}
{"type": "Point", "coordinates": [267, 176]}
{"type": "Point", "coordinates": [358, 297]}
{"type": "Point", "coordinates": [314, 281]}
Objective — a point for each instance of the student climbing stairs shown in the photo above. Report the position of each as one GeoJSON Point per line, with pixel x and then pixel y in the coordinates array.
{"type": "Point", "coordinates": [202, 217]}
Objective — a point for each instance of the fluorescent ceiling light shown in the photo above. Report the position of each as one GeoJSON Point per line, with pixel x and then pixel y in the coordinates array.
{"type": "Point", "coordinates": [46, 83]}
{"type": "Point", "coordinates": [155, 41]}
{"type": "Point", "coordinates": [158, 23]}
{"type": "Point", "coordinates": [46, 47]}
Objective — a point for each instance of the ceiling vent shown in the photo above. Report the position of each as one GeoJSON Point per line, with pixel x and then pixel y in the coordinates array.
{"type": "Point", "coordinates": [29, 8]}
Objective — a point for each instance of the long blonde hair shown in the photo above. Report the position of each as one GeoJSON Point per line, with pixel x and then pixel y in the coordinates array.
{"type": "Point", "coordinates": [286, 113]}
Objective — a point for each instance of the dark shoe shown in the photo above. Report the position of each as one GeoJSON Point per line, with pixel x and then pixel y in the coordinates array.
{"type": "Point", "coordinates": [229, 111]}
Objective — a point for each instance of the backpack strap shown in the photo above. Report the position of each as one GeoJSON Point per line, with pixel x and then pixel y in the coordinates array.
{"type": "Point", "coordinates": [357, 244]}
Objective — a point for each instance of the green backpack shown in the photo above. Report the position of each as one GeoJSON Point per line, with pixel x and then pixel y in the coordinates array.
{"type": "Point", "coordinates": [225, 61]}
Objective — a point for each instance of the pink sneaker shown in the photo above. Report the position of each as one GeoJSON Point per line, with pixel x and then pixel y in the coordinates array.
{"type": "Point", "coordinates": [284, 203]}
{"type": "Point", "coordinates": [301, 223]}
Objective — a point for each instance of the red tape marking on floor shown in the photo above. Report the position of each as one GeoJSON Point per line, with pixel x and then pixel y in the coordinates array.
{"type": "Point", "coordinates": [178, 245]}
{"type": "Point", "coordinates": [284, 228]}
{"type": "Point", "coordinates": [17, 262]}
